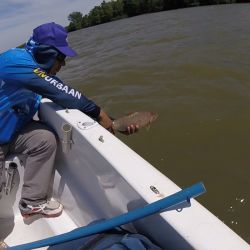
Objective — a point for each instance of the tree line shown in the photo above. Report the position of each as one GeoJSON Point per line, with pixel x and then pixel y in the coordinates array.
{"type": "Point", "coordinates": [117, 9]}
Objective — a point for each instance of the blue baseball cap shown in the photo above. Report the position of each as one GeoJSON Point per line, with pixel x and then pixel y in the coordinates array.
{"type": "Point", "coordinates": [55, 35]}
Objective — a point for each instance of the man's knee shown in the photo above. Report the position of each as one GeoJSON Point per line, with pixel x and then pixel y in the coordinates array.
{"type": "Point", "coordinates": [48, 139]}
{"type": "Point", "coordinates": [42, 140]}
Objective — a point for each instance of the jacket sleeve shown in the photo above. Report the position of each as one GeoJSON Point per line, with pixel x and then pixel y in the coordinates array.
{"type": "Point", "coordinates": [37, 80]}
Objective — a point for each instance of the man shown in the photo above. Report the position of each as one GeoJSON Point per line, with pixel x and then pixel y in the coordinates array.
{"type": "Point", "coordinates": [27, 75]}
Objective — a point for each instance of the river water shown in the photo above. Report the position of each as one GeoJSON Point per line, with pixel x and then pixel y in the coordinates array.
{"type": "Point", "coordinates": [192, 67]}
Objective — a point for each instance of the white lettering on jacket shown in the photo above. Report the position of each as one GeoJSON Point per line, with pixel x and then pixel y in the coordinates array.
{"type": "Point", "coordinates": [59, 85]}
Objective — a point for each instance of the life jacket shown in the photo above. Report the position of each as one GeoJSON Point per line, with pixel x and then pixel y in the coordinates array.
{"type": "Point", "coordinates": [17, 108]}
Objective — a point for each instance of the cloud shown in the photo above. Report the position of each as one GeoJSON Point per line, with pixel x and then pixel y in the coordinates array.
{"type": "Point", "coordinates": [19, 17]}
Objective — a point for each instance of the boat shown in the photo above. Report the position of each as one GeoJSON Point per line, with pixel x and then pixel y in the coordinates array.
{"type": "Point", "coordinates": [99, 177]}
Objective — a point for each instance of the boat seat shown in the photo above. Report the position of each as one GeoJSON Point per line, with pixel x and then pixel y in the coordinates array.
{"type": "Point", "coordinates": [13, 170]}
{"type": "Point", "coordinates": [12, 163]}
{"type": "Point", "coordinates": [11, 192]}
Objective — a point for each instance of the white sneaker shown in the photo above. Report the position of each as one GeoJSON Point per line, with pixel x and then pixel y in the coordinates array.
{"type": "Point", "coordinates": [48, 209]}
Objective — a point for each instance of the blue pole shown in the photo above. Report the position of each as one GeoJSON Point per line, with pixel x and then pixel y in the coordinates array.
{"type": "Point", "coordinates": [138, 213]}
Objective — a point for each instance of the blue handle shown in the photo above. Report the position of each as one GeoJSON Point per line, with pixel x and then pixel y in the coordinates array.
{"type": "Point", "coordinates": [138, 213]}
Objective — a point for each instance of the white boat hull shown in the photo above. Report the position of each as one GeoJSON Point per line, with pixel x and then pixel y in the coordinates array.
{"type": "Point", "coordinates": [100, 177]}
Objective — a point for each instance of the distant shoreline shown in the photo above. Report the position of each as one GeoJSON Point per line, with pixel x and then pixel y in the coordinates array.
{"type": "Point", "coordinates": [119, 9]}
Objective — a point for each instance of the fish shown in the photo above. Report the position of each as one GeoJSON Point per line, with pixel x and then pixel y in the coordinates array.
{"type": "Point", "coordinates": [140, 118]}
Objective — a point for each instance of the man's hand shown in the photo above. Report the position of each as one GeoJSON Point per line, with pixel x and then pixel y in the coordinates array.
{"type": "Point", "coordinates": [131, 129]}
{"type": "Point", "coordinates": [106, 122]}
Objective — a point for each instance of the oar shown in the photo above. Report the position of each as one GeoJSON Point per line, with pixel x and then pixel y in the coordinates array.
{"type": "Point", "coordinates": [156, 207]}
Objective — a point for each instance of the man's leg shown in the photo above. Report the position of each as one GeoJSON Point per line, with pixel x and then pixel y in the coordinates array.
{"type": "Point", "coordinates": [38, 142]}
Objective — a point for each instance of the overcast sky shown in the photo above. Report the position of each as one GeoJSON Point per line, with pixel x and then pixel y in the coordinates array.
{"type": "Point", "coordinates": [19, 17]}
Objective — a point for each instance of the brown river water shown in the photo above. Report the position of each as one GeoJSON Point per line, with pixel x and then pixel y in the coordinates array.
{"type": "Point", "coordinates": [192, 67]}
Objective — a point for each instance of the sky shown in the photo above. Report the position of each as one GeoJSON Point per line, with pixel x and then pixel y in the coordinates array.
{"type": "Point", "coordinates": [18, 18]}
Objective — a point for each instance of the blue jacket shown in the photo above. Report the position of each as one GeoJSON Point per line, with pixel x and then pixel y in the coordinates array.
{"type": "Point", "coordinates": [22, 85]}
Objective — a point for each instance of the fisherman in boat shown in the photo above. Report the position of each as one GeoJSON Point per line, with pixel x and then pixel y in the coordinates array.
{"type": "Point", "coordinates": [26, 76]}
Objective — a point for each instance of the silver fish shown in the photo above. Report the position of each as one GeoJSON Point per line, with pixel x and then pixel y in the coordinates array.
{"type": "Point", "coordinates": [142, 119]}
